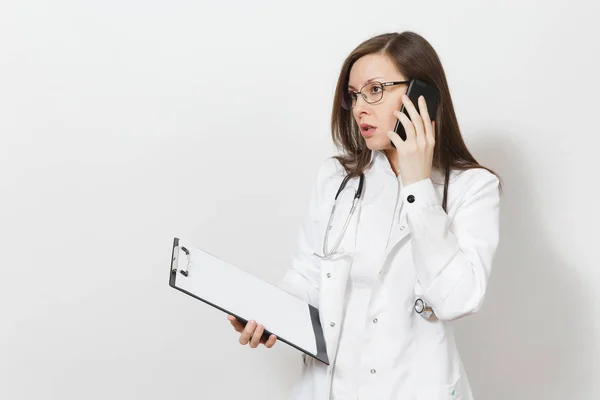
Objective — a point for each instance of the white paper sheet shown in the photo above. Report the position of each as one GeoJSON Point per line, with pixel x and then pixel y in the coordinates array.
{"type": "Point", "coordinates": [228, 287]}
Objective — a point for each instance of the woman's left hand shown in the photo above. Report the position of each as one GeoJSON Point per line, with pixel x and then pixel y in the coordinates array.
{"type": "Point", "coordinates": [415, 155]}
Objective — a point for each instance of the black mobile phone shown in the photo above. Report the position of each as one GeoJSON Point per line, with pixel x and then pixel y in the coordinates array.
{"type": "Point", "coordinates": [417, 88]}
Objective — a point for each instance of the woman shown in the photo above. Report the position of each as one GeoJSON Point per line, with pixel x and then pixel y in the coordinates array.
{"type": "Point", "coordinates": [423, 235]}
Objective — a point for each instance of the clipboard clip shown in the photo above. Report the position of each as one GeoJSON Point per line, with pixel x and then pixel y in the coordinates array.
{"type": "Point", "coordinates": [175, 262]}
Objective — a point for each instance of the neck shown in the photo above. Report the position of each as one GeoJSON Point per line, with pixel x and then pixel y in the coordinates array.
{"type": "Point", "coordinates": [392, 156]}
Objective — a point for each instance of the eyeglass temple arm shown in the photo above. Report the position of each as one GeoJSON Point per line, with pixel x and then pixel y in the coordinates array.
{"type": "Point", "coordinates": [394, 83]}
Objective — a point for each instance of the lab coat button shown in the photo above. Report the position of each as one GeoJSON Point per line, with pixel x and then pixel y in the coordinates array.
{"type": "Point", "coordinates": [402, 227]}
{"type": "Point", "coordinates": [375, 320]}
{"type": "Point", "coordinates": [329, 274]}
{"type": "Point", "coordinates": [373, 371]}
{"type": "Point", "coordinates": [332, 324]}
{"type": "Point", "coordinates": [411, 198]}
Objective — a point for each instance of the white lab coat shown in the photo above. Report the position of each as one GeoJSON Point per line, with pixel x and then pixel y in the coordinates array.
{"type": "Point", "coordinates": [417, 251]}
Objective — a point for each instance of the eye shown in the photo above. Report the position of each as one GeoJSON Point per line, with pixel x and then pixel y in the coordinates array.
{"type": "Point", "coordinates": [353, 95]}
{"type": "Point", "coordinates": [376, 89]}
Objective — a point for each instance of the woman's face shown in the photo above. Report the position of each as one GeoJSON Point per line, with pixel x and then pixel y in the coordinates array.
{"type": "Point", "coordinates": [379, 116]}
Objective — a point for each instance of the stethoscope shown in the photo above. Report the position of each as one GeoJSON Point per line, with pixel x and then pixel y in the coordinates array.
{"type": "Point", "coordinates": [420, 306]}
{"type": "Point", "coordinates": [357, 193]}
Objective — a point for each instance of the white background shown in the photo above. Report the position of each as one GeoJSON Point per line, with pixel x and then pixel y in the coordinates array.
{"type": "Point", "coordinates": [126, 123]}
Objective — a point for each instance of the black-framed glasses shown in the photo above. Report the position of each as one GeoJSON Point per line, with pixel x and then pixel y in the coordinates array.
{"type": "Point", "coordinates": [372, 92]}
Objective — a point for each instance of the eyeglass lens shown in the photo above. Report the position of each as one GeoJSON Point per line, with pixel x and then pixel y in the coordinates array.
{"type": "Point", "coordinates": [372, 92]}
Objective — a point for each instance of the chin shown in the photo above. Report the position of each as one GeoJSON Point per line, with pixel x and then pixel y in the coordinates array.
{"type": "Point", "coordinates": [378, 143]}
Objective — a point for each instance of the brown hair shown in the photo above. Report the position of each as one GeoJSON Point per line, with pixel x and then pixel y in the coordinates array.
{"type": "Point", "coordinates": [414, 58]}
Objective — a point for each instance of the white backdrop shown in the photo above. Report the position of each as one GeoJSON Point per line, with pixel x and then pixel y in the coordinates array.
{"type": "Point", "coordinates": [126, 123]}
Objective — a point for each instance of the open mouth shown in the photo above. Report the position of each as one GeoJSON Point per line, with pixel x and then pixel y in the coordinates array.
{"type": "Point", "coordinates": [366, 128]}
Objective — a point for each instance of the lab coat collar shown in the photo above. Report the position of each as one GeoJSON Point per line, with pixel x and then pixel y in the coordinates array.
{"type": "Point", "coordinates": [378, 157]}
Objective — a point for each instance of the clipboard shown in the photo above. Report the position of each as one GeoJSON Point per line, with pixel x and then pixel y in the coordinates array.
{"type": "Point", "coordinates": [234, 291]}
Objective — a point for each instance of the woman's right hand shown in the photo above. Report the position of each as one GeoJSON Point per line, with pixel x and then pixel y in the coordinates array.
{"type": "Point", "coordinates": [251, 333]}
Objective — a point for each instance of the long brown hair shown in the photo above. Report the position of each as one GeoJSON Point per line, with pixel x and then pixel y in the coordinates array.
{"type": "Point", "coordinates": [415, 58]}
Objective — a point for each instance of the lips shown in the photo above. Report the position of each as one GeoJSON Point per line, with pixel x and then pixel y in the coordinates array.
{"type": "Point", "coordinates": [367, 129]}
{"type": "Point", "coordinates": [365, 126]}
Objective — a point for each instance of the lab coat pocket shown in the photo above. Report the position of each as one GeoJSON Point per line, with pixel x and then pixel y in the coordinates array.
{"type": "Point", "coordinates": [442, 392]}
{"type": "Point", "coordinates": [446, 392]}
{"type": "Point", "coordinates": [303, 388]}
{"type": "Point", "coordinates": [304, 360]}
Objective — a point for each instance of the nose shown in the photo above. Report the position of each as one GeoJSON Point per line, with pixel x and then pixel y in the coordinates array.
{"type": "Point", "coordinates": [361, 106]}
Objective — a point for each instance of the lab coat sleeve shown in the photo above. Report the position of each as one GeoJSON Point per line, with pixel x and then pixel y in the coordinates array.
{"type": "Point", "coordinates": [453, 257]}
{"type": "Point", "coordinates": [302, 278]}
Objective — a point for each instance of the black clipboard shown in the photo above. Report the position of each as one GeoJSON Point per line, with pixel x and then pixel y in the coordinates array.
{"type": "Point", "coordinates": [234, 291]}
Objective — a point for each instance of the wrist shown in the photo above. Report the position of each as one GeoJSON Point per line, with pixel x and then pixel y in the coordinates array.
{"type": "Point", "coordinates": [420, 195]}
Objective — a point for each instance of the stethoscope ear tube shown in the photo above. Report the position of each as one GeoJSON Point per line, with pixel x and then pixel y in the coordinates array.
{"type": "Point", "coordinates": [357, 194]}
{"type": "Point", "coordinates": [359, 190]}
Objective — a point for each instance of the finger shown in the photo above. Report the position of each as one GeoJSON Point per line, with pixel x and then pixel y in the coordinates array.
{"type": "Point", "coordinates": [407, 124]}
{"type": "Point", "coordinates": [424, 112]}
{"type": "Point", "coordinates": [271, 341]}
{"type": "Point", "coordinates": [430, 133]}
{"type": "Point", "coordinates": [265, 337]}
{"type": "Point", "coordinates": [415, 118]}
{"type": "Point", "coordinates": [427, 123]}
{"type": "Point", "coordinates": [395, 138]}
{"type": "Point", "coordinates": [247, 333]}
{"type": "Point", "coordinates": [422, 135]}
{"type": "Point", "coordinates": [238, 326]}
{"type": "Point", "coordinates": [255, 341]}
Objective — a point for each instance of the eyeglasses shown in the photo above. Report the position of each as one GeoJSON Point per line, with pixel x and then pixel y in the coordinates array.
{"type": "Point", "coordinates": [372, 92]}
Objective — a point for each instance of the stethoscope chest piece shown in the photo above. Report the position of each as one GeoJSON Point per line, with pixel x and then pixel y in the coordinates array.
{"type": "Point", "coordinates": [423, 309]}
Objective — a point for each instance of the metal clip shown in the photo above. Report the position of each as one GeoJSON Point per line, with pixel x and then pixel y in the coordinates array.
{"type": "Point", "coordinates": [175, 259]}
{"type": "Point", "coordinates": [184, 270]}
